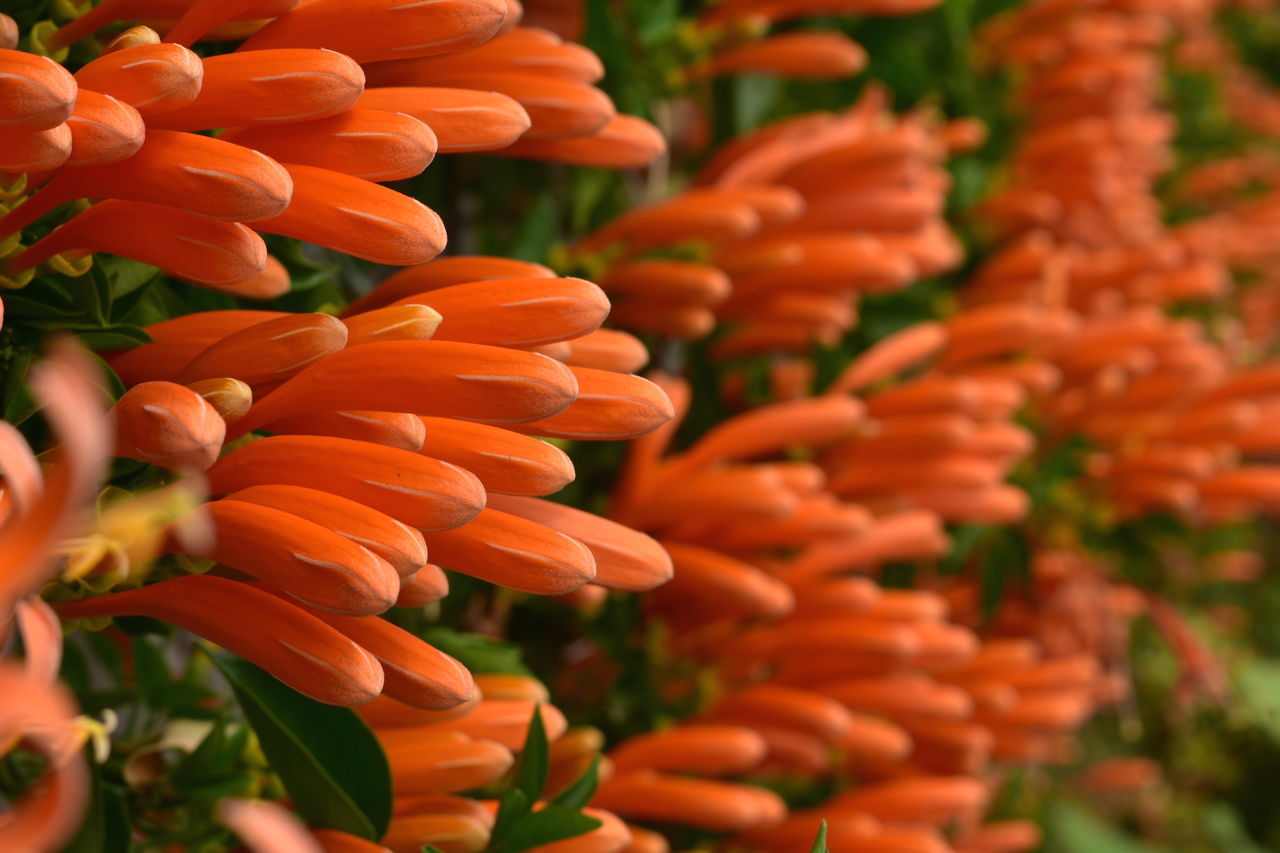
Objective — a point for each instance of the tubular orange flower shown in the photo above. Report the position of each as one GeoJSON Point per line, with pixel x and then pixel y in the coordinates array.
{"type": "Point", "coordinates": [269, 351]}
{"type": "Point", "coordinates": [151, 78]}
{"type": "Point", "coordinates": [292, 645]}
{"type": "Point", "coordinates": [505, 461]}
{"type": "Point", "coordinates": [168, 425]}
{"type": "Point", "coordinates": [462, 119]}
{"type": "Point", "coordinates": [420, 491]}
{"type": "Point", "coordinates": [36, 93]}
{"type": "Point", "coordinates": [185, 244]}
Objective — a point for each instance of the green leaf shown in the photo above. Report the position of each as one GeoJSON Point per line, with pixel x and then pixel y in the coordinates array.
{"type": "Point", "coordinates": [531, 776]}
{"type": "Point", "coordinates": [151, 672]}
{"type": "Point", "coordinates": [580, 790]}
{"type": "Point", "coordinates": [431, 848]}
{"type": "Point", "coordinates": [211, 768]}
{"type": "Point", "coordinates": [121, 336]}
{"type": "Point", "coordinates": [820, 843]}
{"type": "Point", "coordinates": [481, 655]}
{"type": "Point", "coordinates": [329, 761]}
{"type": "Point", "coordinates": [553, 823]}
{"type": "Point", "coordinates": [512, 808]}
{"type": "Point", "coordinates": [1258, 683]}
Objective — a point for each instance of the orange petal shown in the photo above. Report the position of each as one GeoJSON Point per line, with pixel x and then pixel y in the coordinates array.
{"type": "Point", "coordinates": [784, 707]}
{"type": "Point", "coordinates": [516, 312]}
{"type": "Point", "coordinates": [891, 356]}
{"type": "Point", "coordinates": [674, 281]}
{"type": "Point", "coordinates": [807, 56]}
{"type": "Point", "coordinates": [407, 322]}
{"type": "Point", "coordinates": [699, 803]}
{"type": "Point", "coordinates": [425, 586]}
{"type": "Point", "coordinates": [696, 749]}
{"type": "Point", "coordinates": [416, 673]}
{"type": "Point", "coordinates": [608, 349]}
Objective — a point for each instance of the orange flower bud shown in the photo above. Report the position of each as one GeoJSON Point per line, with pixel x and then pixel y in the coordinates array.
{"type": "Point", "coordinates": [443, 272]}
{"type": "Point", "coordinates": [713, 750]}
{"type": "Point", "coordinates": [700, 803]}
{"type": "Point", "coordinates": [168, 425]}
{"type": "Point", "coordinates": [513, 552]}
{"type": "Point", "coordinates": [400, 322]}
{"type": "Point", "coordinates": [103, 130]}
{"type": "Point", "coordinates": [503, 460]}
{"type": "Point", "coordinates": [608, 406]}
{"type": "Point", "coordinates": [372, 144]}
{"type": "Point", "coordinates": [626, 142]}
{"type": "Point", "coordinates": [34, 150]}
{"type": "Point", "coordinates": [422, 492]}
{"type": "Point", "coordinates": [517, 312]}
{"type": "Point", "coordinates": [625, 559]}
{"type": "Point", "coordinates": [266, 87]}
{"type": "Point", "coordinates": [285, 640]}
{"type": "Point", "coordinates": [373, 30]}
{"type": "Point", "coordinates": [36, 93]}
{"type": "Point", "coordinates": [306, 559]}
{"type": "Point", "coordinates": [392, 429]}
{"type": "Point", "coordinates": [372, 222]}
{"type": "Point", "coordinates": [151, 78]}
{"type": "Point", "coordinates": [462, 119]}
{"type": "Point", "coordinates": [608, 349]}
{"type": "Point", "coordinates": [401, 546]}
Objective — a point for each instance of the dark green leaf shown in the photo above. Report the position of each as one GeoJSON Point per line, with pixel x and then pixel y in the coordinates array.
{"type": "Point", "coordinates": [479, 654]}
{"type": "Point", "coordinates": [553, 823]}
{"type": "Point", "coordinates": [531, 777]}
{"type": "Point", "coordinates": [105, 827]}
{"type": "Point", "coordinates": [122, 336]}
{"type": "Point", "coordinates": [329, 761]}
{"type": "Point", "coordinates": [820, 843]}
{"type": "Point", "coordinates": [512, 808]}
{"type": "Point", "coordinates": [580, 790]}
{"type": "Point", "coordinates": [151, 671]}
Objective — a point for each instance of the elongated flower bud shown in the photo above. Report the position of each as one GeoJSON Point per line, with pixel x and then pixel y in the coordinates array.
{"type": "Point", "coordinates": [608, 349]}
{"type": "Point", "coordinates": [393, 429]}
{"type": "Point", "coordinates": [416, 673]}
{"type": "Point", "coordinates": [608, 406]}
{"type": "Point", "coordinates": [373, 30]}
{"type": "Point", "coordinates": [151, 78]}
{"type": "Point", "coordinates": [36, 93]}
{"type": "Point", "coordinates": [443, 272]}
{"type": "Point", "coordinates": [269, 351]}
{"type": "Point", "coordinates": [285, 640]}
{"type": "Point", "coordinates": [517, 312]}
{"type": "Point", "coordinates": [401, 322]}
{"type": "Point", "coordinates": [503, 460]}
{"type": "Point", "coordinates": [371, 222]}
{"type": "Point", "coordinates": [184, 244]}
{"type": "Point", "coordinates": [462, 119]}
{"type": "Point", "coordinates": [438, 378]}
{"type": "Point", "coordinates": [400, 545]}
{"type": "Point", "coordinates": [309, 561]}
{"type": "Point", "coordinates": [25, 150]}
{"type": "Point", "coordinates": [372, 144]}
{"type": "Point", "coordinates": [625, 558]}
{"type": "Point", "coordinates": [697, 749]}
{"type": "Point", "coordinates": [268, 87]}
{"type": "Point", "coordinates": [200, 174]}
{"type": "Point", "coordinates": [424, 493]}
{"type": "Point", "coordinates": [103, 130]}
{"type": "Point", "coordinates": [513, 552]}
{"type": "Point", "coordinates": [202, 16]}
{"type": "Point", "coordinates": [626, 142]}
{"type": "Point", "coordinates": [168, 425]}
{"type": "Point", "coordinates": [701, 803]}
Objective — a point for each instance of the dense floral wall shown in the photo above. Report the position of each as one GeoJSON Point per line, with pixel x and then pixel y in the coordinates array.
{"type": "Point", "coordinates": [625, 426]}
